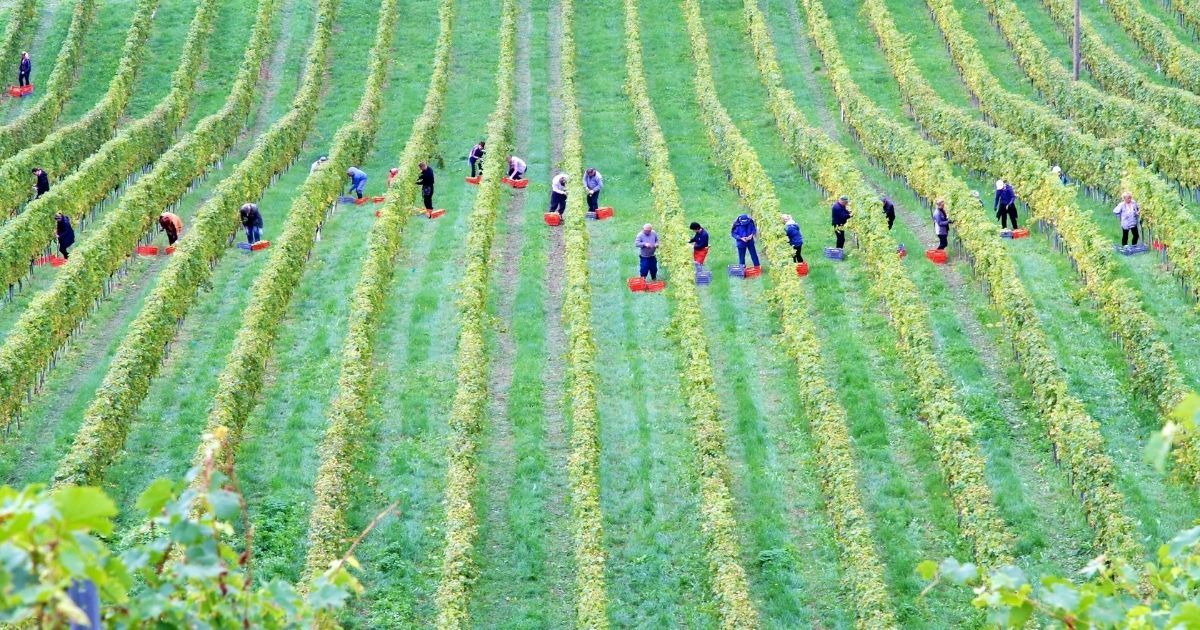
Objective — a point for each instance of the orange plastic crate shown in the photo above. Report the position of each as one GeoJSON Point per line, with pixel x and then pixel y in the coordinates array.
{"type": "Point", "coordinates": [359, 202]}
{"type": "Point", "coordinates": [475, 180]}
{"type": "Point", "coordinates": [552, 218]}
{"type": "Point", "coordinates": [379, 199]}
{"type": "Point", "coordinates": [657, 285]}
{"type": "Point", "coordinates": [636, 284]}
{"type": "Point", "coordinates": [259, 246]}
{"type": "Point", "coordinates": [802, 269]}
{"type": "Point", "coordinates": [1020, 233]}
{"type": "Point", "coordinates": [433, 214]}
{"type": "Point", "coordinates": [520, 183]}
{"type": "Point", "coordinates": [753, 272]}
{"type": "Point", "coordinates": [937, 256]}
{"type": "Point", "coordinates": [147, 250]}
{"type": "Point", "coordinates": [603, 213]}
{"type": "Point", "coordinates": [169, 250]}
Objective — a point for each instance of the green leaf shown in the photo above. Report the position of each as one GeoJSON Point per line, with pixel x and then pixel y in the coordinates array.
{"type": "Point", "coordinates": [85, 508]}
{"type": "Point", "coordinates": [927, 570]}
{"type": "Point", "coordinates": [156, 496]}
{"type": "Point", "coordinates": [225, 504]}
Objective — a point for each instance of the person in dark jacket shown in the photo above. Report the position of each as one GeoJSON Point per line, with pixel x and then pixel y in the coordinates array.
{"type": "Point", "coordinates": [42, 185]}
{"type": "Point", "coordinates": [24, 70]}
{"type": "Point", "coordinates": [63, 233]}
{"type": "Point", "coordinates": [1005, 204]}
{"type": "Point", "coordinates": [841, 214]}
{"type": "Point", "coordinates": [743, 233]}
{"type": "Point", "coordinates": [425, 181]}
{"type": "Point", "coordinates": [941, 222]}
{"type": "Point", "coordinates": [476, 157]}
{"type": "Point", "coordinates": [699, 243]}
{"type": "Point", "coordinates": [252, 221]}
{"type": "Point", "coordinates": [889, 210]}
{"type": "Point", "coordinates": [795, 238]}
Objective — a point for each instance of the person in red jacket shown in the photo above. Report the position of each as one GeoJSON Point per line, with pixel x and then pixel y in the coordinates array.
{"type": "Point", "coordinates": [172, 225]}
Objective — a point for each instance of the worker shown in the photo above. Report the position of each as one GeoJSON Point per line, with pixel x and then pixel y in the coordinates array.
{"type": "Point", "coordinates": [24, 70]}
{"type": "Point", "coordinates": [1130, 214]}
{"type": "Point", "coordinates": [172, 225]}
{"type": "Point", "coordinates": [558, 193]}
{"type": "Point", "coordinates": [253, 222]}
{"type": "Point", "coordinates": [42, 184]}
{"type": "Point", "coordinates": [593, 181]}
{"type": "Point", "coordinates": [699, 243]}
{"type": "Point", "coordinates": [318, 164]}
{"type": "Point", "coordinates": [841, 214]}
{"type": "Point", "coordinates": [516, 168]}
{"type": "Point", "coordinates": [647, 246]}
{"type": "Point", "coordinates": [1005, 204]}
{"type": "Point", "coordinates": [392, 173]}
{"type": "Point", "coordinates": [425, 181]}
{"type": "Point", "coordinates": [358, 180]}
{"type": "Point", "coordinates": [1062, 177]}
{"type": "Point", "coordinates": [941, 222]}
{"type": "Point", "coordinates": [743, 233]}
{"type": "Point", "coordinates": [63, 233]}
{"type": "Point", "coordinates": [476, 157]}
{"type": "Point", "coordinates": [795, 238]}
{"type": "Point", "coordinates": [889, 210]}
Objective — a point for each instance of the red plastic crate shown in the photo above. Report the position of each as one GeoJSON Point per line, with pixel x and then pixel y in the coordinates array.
{"type": "Point", "coordinates": [169, 250]}
{"type": "Point", "coordinates": [147, 250]}
{"type": "Point", "coordinates": [14, 91]}
{"type": "Point", "coordinates": [937, 256]}
{"type": "Point", "coordinates": [520, 183]}
{"type": "Point", "coordinates": [1158, 245]}
{"type": "Point", "coordinates": [753, 272]}
{"type": "Point", "coordinates": [802, 269]}
{"type": "Point", "coordinates": [259, 246]}
{"type": "Point", "coordinates": [636, 284]}
{"type": "Point", "coordinates": [657, 285]}
{"type": "Point", "coordinates": [1020, 233]}
{"type": "Point", "coordinates": [475, 180]}
{"type": "Point", "coordinates": [379, 199]}
{"type": "Point", "coordinates": [604, 213]}
{"type": "Point", "coordinates": [552, 218]}
{"type": "Point", "coordinates": [28, 89]}
{"type": "Point", "coordinates": [433, 214]}
{"type": "Point", "coordinates": [55, 261]}
{"type": "Point", "coordinates": [359, 202]}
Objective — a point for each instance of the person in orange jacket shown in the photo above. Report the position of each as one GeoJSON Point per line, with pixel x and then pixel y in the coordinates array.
{"type": "Point", "coordinates": [172, 225]}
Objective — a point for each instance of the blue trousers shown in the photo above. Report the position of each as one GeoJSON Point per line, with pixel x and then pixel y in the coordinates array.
{"type": "Point", "coordinates": [253, 235]}
{"type": "Point", "coordinates": [648, 266]}
{"type": "Point", "coordinates": [747, 245]}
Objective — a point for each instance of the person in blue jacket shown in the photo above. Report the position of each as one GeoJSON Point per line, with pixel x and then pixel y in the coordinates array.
{"type": "Point", "coordinates": [358, 180]}
{"type": "Point", "coordinates": [795, 238]}
{"type": "Point", "coordinates": [841, 214]}
{"type": "Point", "coordinates": [1005, 204]}
{"type": "Point", "coordinates": [743, 233]}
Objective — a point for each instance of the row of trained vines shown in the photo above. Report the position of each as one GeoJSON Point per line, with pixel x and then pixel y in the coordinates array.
{"type": "Point", "coordinates": [470, 395]}
{"type": "Point", "coordinates": [591, 597]}
{"type": "Point", "coordinates": [728, 577]}
{"type": "Point", "coordinates": [1074, 433]}
{"type": "Point", "coordinates": [1177, 60]}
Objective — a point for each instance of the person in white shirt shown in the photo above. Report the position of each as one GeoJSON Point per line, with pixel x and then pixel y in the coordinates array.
{"type": "Point", "coordinates": [516, 168]}
{"type": "Point", "coordinates": [558, 193]}
{"type": "Point", "coordinates": [318, 164]}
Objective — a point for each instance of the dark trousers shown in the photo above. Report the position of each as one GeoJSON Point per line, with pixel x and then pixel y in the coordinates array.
{"type": "Point", "coordinates": [473, 162]}
{"type": "Point", "coordinates": [743, 246]}
{"type": "Point", "coordinates": [593, 201]}
{"type": "Point", "coordinates": [1125, 232]}
{"type": "Point", "coordinates": [648, 265]}
{"type": "Point", "coordinates": [427, 196]}
{"type": "Point", "coordinates": [172, 236]}
{"type": "Point", "coordinates": [62, 249]}
{"type": "Point", "coordinates": [515, 176]}
{"type": "Point", "coordinates": [891, 219]}
{"type": "Point", "coordinates": [23, 78]}
{"type": "Point", "coordinates": [941, 241]}
{"type": "Point", "coordinates": [798, 257]}
{"type": "Point", "coordinates": [841, 237]}
{"type": "Point", "coordinates": [558, 202]}
{"type": "Point", "coordinates": [1006, 214]}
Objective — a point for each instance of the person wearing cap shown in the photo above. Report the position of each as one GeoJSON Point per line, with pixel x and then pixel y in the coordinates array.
{"type": "Point", "coordinates": [795, 238]}
{"type": "Point", "coordinates": [516, 168]}
{"type": "Point", "coordinates": [941, 222]}
{"type": "Point", "coordinates": [593, 181]}
{"type": "Point", "coordinates": [1130, 214]}
{"type": "Point", "coordinates": [172, 225]}
{"type": "Point", "coordinates": [1005, 204]}
{"type": "Point", "coordinates": [318, 164]}
{"type": "Point", "coordinates": [476, 157]}
{"type": "Point", "coordinates": [425, 181]}
{"type": "Point", "coordinates": [41, 183]}
{"type": "Point", "coordinates": [889, 210]}
{"type": "Point", "coordinates": [841, 214]}
{"type": "Point", "coordinates": [358, 180]}
{"type": "Point", "coordinates": [558, 193]}
{"type": "Point", "coordinates": [253, 222]}
{"type": "Point", "coordinates": [699, 243]}
{"type": "Point", "coordinates": [647, 246]}
{"type": "Point", "coordinates": [1062, 177]}
{"type": "Point", "coordinates": [744, 231]}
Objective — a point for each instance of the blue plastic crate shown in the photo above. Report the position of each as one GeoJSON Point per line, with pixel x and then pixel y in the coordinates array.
{"type": "Point", "coordinates": [1005, 233]}
{"type": "Point", "coordinates": [834, 253]}
{"type": "Point", "coordinates": [346, 199]}
{"type": "Point", "coordinates": [1130, 250]}
{"type": "Point", "coordinates": [244, 246]}
{"type": "Point", "coordinates": [703, 277]}
{"type": "Point", "coordinates": [737, 271]}
{"type": "Point", "coordinates": [591, 216]}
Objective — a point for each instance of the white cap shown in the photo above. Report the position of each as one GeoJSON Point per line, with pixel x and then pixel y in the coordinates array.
{"type": "Point", "coordinates": [1055, 169]}
{"type": "Point", "coordinates": [999, 184]}
{"type": "Point", "coordinates": [975, 194]}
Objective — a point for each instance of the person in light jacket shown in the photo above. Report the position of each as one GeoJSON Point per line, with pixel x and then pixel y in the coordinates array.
{"type": "Point", "coordinates": [318, 164]}
{"type": "Point", "coordinates": [647, 246]}
{"type": "Point", "coordinates": [1005, 204]}
{"type": "Point", "coordinates": [425, 181]}
{"type": "Point", "coordinates": [253, 222]}
{"type": "Point", "coordinates": [795, 238]}
{"type": "Point", "coordinates": [476, 157]}
{"type": "Point", "coordinates": [593, 181]}
{"type": "Point", "coordinates": [558, 193]}
{"type": "Point", "coordinates": [744, 231]}
{"type": "Point", "coordinates": [63, 233]}
{"type": "Point", "coordinates": [516, 168]}
{"type": "Point", "coordinates": [172, 225]}
{"type": "Point", "coordinates": [358, 180]}
{"type": "Point", "coordinates": [1062, 177]}
{"type": "Point", "coordinates": [941, 222]}
{"type": "Point", "coordinates": [24, 70]}
{"type": "Point", "coordinates": [840, 212]}
{"type": "Point", "coordinates": [1130, 214]}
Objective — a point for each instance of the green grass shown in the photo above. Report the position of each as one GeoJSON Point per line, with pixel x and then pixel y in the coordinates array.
{"type": "Point", "coordinates": [53, 20]}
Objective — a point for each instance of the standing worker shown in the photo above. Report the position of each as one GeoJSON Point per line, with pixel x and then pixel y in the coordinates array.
{"type": "Point", "coordinates": [841, 214]}
{"type": "Point", "coordinates": [516, 168]}
{"type": "Point", "coordinates": [795, 238]}
{"type": "Point", "coordinates": [1005, 204]}
{"type": "Point", "coordinates": [699, 243]}
{"type": "Point", "coordinates": [476, 157]}
{"type": "Point", "coordinates": [889, 210]}
{"type": "Point", "coordinates": [358, 180]}
{"type": "Point", "coordinates": [558, 193]}
{"type": "Point", "coordinates": [63, 233]}
{"type": "Point", "coordinates": [253, 222]}
{"type": "Point", "coordinates": [425, 181]}
{"type": "Point", "coordinates": [42, 184]}
{"type": "Point", "coordinates": [318, 164]}
{"type": "Point", "coordinates": [743, 232]}
{"type": "Point", "coordinates": [1130, 214]}
{"type": "Point", "coordinates": [647, 245]}
{"type": "Point", "coordinates": [172, 225]}
{"type": "Point", "coordinates": [593, 181]}
{"type": "Point", "coordinates": [24, 70]}
{"type": "Point", "coordinates": [941, 222]}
